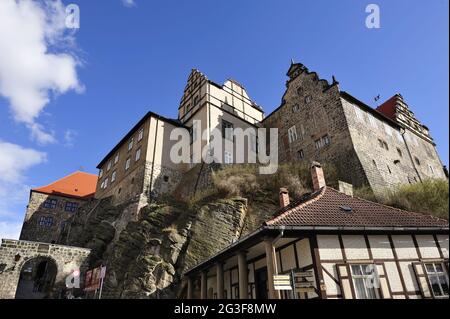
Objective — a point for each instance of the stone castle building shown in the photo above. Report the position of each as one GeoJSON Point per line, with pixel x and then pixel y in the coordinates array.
{"type": "Point", "coordinates": [377, 147]}
{"type": "Point", "coordinates": [140, 164]}
{"type": "Point", "coordinates": [51, 206]}
{"type": "Point", "coordinates": [316, 122]}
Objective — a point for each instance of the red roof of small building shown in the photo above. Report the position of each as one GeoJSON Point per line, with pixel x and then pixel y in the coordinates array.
{"type": "Point", "coordinates": [78, 184]}
{"type": "Point", "coordinates": [329, 207]}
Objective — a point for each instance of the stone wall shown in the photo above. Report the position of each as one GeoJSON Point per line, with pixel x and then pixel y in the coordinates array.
{"type": "Point", "coordinates": [366, 148]}
{"type": "Point", "coordinates": [159, 180]}
{"type": "Point", "coordinates": [313, 106]}
{"type": "Point", "coordinates": [32, 230]}
{"type": "Point", "coordinates": [14, 254]}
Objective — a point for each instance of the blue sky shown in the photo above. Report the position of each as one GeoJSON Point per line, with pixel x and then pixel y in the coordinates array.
{"type": "Point", "coordinates": [136, 58]}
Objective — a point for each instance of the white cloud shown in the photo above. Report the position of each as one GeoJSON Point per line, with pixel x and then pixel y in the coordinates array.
{"type": "Point", "coordinates": [15, 160]}
{"type": "Point", "coordinates": [69, 137]}
{"type": "Point", "coordinates": [10, 230]}
{"type": "Point", "coordinates": [129, 3]}
{"type": "Point", "coordinates": [31, 70]}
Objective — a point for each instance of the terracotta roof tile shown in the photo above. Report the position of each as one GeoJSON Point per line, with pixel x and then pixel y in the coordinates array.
{"type": "Point", "coordinates": [78, 184]}
{"type": "Point", "coordinates": [329, 207]}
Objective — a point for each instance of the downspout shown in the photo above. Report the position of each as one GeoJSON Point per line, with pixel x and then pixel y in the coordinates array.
{"type": "Point", "coordinates": [410, 155]}
{"type": "Point", "coordinates": [153, 161]}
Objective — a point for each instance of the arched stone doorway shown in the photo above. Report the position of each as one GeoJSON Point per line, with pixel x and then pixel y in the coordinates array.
{"type": "Point", "coordinates": [37, 279]}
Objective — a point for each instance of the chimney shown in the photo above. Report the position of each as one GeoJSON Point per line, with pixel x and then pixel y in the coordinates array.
{"type": "Point", "coordinates": [318, 178]}
{"type": "Point", "coordinates": [284, 197]}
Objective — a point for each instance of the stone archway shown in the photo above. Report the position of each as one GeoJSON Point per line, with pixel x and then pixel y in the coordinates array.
{"type": "Point", "coordinates": [37, 279]}
{"type": "Point", "coordinates": [16, 258]}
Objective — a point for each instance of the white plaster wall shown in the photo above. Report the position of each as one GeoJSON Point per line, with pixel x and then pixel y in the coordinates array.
{"type": "Point", "coordinates": [332, 286]}
{"type": "Point", "coordinates": [404, 246]}
{"type": "Point", "coordinates": [393, 276]}
{"type": "Point", "coordinates": [427, 246]}
{"type": "Point", "coordinates": [355, 247]}
{"type": "Point", "coordinates": [380, 247]}
{"type": "Point", "coordinates": [304, 253]}
{"type": "Point", "coordinates": [288, 258]}
{"type": "Point", "coordinates": [409, 276]}
{"type": "Point", "coordinates": [329, 247]}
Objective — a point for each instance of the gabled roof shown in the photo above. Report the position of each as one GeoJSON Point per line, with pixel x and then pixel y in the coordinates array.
{"type": "Point", "coordinates": [329, 207]}
{"type": "Point", "coordinates": [130, 133]}
{"type": "Point", "coordinates": [78, 185]}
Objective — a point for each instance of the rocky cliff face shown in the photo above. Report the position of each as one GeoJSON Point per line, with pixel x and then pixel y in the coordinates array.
{"type": "Point", "coordinates": [146, 256]}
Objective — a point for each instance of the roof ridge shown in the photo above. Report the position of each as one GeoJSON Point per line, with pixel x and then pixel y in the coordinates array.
{"type": "Point", "coordinates": [301, 205]}
{"type": "Point", "coordinates": [62, 178]}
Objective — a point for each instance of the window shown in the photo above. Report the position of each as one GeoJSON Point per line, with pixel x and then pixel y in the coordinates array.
{"type": "Point", "coordinates": [113, 176]}
{"type": "Point", "coordinates": [431, 169]}
{"type": "Point", "coordinates": [109, 166]}
{"type": "Point", "coordinates": [141, 134]}
{"type": "Point", "coordinates": [438, 279]}
{"type": "Point", "coordinates": [130, 144]}
{"type": "Point", "coordinates": [308, 99]}
{"type": "Point", "coordinates": [138, 155]}
{"type": "Point", "coordinates": [195, 100]}
{"type": "Point", "coordinates": [106, 183]}
{"type": "Point", "coordinates": [301, 154]}
{"type": "Point", "coordinates": [228, 158]}
{"type": "Point", "coordinates": [127, 164]}
{"type": "Point", "coordinates": [417, 160]}
{"type": "Point", "coordinates": [71, 207]}
{"type": "Point", "coordinates": [292, 134]}
{"type": "Point", "coordinates": [100, 174]}
{"type": "Point", "coordinates": [365, 279]}
{"type": "Point", "coordinates": [295, 108]}
{"type": "Point", "coordinates": [399, 151]}
{"type": "Point", "coordinates": [50, 203]}
{"type": "Point", "coordinates": [322, 142]}
{"type": "Point", "coordinates": [45, 221]}
{"type": "Point", "coordinates": [227, 130]}
{"type": "Point", "coordinates": [116, 159]}
{"type": "Point", "coordinates": [383, 144]}
{"type": "Point", "coordinates": [166, 179]}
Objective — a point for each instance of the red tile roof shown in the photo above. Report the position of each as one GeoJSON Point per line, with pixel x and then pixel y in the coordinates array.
{"type": "Point", "coordinates": [78, 184]}
{"type": "Point", "coordinates": [329, 207]}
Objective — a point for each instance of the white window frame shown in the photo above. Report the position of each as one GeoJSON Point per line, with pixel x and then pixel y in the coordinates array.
{"type": "Point", "coordinates": [141, 134]}
{"type": "Point", "coordinates": [109, 166]}
{"type": "Point", "coordinates": [436, 274]}
{"type": "Point", "coordinates": [116, 159]}
{"type": "Point", "coordinates": [292, 134]}
{"type": "Point", "coordinates": [113, 176]}
{"type": "Point", "coordinates": [127, 164]}
{"type": "Point", "coordinates": [138, 155]}
{"type": "Point", "coordinates": [100, 173]}
{"type": "Point", "coordinates": [130, 144]}
{"type": "Point", "coordinates": [105, 186]}
{"type": "Point", "coordinates": [366, 278]}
